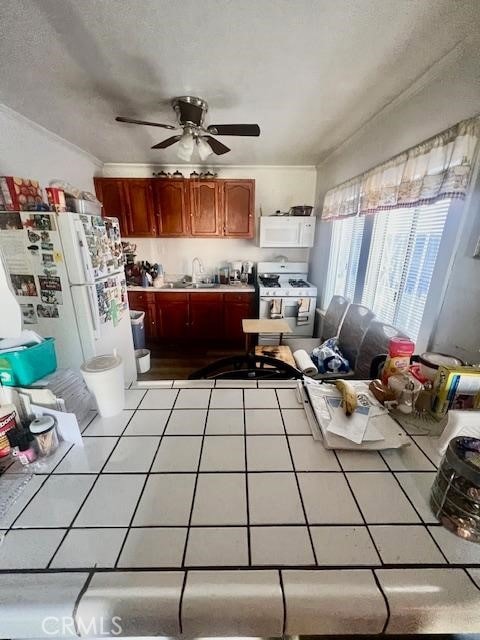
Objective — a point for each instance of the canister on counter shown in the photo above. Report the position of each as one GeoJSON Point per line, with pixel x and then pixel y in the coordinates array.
{"type": "Point", "coordinates": [455, 495]}
{"type": "Point", "coordinates": [45, 432]}
{"type": "Point", "coordinates": [8, 421]}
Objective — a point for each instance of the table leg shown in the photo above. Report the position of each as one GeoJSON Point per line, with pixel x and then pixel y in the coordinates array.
{"type": "Point", "coordinates": [281, 337]}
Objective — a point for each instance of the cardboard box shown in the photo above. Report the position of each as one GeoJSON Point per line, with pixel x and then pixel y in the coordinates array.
{"type": "Point", "coordinates": [456, 388]}
{"type": "Point", "coordinates": [20, 194]}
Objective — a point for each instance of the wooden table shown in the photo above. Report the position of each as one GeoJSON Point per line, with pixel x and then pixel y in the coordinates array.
{"type": "Point", "coordinates": [280, 352]}
{"type": "Point", "coordinates": [263, 325]}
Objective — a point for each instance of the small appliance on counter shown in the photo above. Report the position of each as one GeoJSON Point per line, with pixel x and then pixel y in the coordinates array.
{"type": "Point", "coordinates": [301, 210]}
{"type": "Point", "coordinates": [235, 273]}
{"type": "Point", "coordinates": [248, 275]}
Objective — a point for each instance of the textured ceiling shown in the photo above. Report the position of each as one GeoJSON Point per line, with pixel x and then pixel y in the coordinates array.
{"type": "Point", "coordinates": [309, 72]}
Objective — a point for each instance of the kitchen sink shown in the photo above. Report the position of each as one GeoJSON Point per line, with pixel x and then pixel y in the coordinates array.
{"type": "Point", "coordinates": [190, 285]}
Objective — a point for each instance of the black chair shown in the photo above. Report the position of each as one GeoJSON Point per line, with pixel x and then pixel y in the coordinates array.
{"type": "Point", "coordinates": [247, 367]}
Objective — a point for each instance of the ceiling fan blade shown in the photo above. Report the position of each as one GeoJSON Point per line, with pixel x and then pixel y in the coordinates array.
{"type": "Point", "coordinates": [166, 143]}
{"type": "Point", "coordinates": [150, 124]}
{"type": "Point", "coordinates": [217, 147]}
{"type": "Point", "coordinates": [234, 129]}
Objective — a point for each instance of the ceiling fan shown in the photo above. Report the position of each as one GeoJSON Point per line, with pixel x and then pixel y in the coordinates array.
{"type": "Point", "coordinates": [191, 116]}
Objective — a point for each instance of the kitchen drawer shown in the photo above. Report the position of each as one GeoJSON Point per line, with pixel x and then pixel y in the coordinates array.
{"type": "Point", "coordinates": [164, 297]}
{"type": "Point", "coordinates": [201, 296]}
{"type": "Point", "coordinates": [239, 297]}
{"type": "Point", "coordinates": [139, 298]}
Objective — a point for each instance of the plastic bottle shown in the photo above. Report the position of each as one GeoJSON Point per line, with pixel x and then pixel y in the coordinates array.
{"type": "Point", "coordinates": [400, 351]}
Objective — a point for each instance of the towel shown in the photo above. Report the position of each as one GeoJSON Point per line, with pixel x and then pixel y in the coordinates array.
{"type": "Point", "coordinates": [303, 310]}
{"type": "Point", "coordinates": [276, 309]}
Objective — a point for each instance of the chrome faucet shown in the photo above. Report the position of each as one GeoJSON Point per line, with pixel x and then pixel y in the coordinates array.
{"type": "Point", "coordinates": [194, 272]}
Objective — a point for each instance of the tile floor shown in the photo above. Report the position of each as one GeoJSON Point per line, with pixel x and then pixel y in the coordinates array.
{"type": "Point", "coordinates": [197, 476]}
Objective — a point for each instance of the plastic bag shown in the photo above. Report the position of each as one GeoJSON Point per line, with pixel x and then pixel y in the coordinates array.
{"type": "Point", "coordinates": [329, 359]}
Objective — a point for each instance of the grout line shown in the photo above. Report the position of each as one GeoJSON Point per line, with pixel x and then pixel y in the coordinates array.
{"type": "Point", "coordinates": [249, 542]}
{"type": "Point", "coordinates": [180, 603]}
{"type": "Point", "coordinates": [470, 578]}
{"type": "Point", "coordinates": [197, 474]}
{"type": "Point", "coordinates": [422, 451]}
{"type": "Point", "coordinates": [298, 486]}
{"type": "Point", "coordinates": [284, 602]}
{"type": "Point", "coordinates": [387, 604]}
{"type": "Point", "coordinates": [82, 592]}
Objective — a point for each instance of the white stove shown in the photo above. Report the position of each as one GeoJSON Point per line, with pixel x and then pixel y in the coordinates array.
{"type": "Point", "coordinates": [284, 292]}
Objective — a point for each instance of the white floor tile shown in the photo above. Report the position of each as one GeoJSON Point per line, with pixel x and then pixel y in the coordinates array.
{"type": "Point", "coordinates": [111, 502]}
{"type": "Point", "coordinates": [194, 384]}
{"type": "Point", "coordinates": [274, 499]}
{"type": "Point", "coordinates": [263, 421]}
{"type": "Point", "coordinates": [288, 399]}
{"type": "Point", "coordinates": [296, 422]}
{"type": "Point", "coordinates": [153, 548]}
{"type": "Point", "coordinates": [361, 461]}
{"type": "Point", "coordinates": [220, 499]}
{"type": "Point", "coordinates": [193, 399]}
{"type": "Point", "coordinates": [133, 398]}
{"type": "Point", "coordinates": [223, 453]}
{"type": "Point", "coordinates": [27, 549]}
{"type": "Point", "coordinates": [208, 547]}
{"type": "Point", "coordinates": [189, 422]}
{"type": "Point", "coordinates": [381, 499]}
{"type": "Point", "coordinates": [457, 550]}
{"type": "Point", "coordinates": [236, 384]}
{"type": "Point", "coordinates": [113, 426]}
{"type": "Point", "coordinates": [178, 453]}
{"type": "Point", "coordinates": [430, 601]}
{"type": "Point", "coordinates": [159, 399]}
{"type": "Point", "coordinates": [224, 421]}
{"type": "Point", "coordinates": [87, 459]}
{"type": "Point", "coordinates": [148, 423]}
{"type": "Point", "coordinates": [429, 446]}
{"type": "Point", "coordinates": [57, 502]}
{"type": "Point", "coordinates": [343, 546]}
{"type": "Point", "coordinates": [166, 501]}
{"type": "Point", "coordinates": [268, 453]}
{"type": "Point", "coordinates": [405, 545]}
{"type": "Point", "coordinates": [277, 384]}
{"type": "Point", "coordinates": [260, 399]}
{"type": "Point", "coordinates": [89, 548]}
{"type": "Point", "coordinates": [328, 499]}
{"type": "Point", "coordinates": [418, 486]}
{"type": "Point", "coordinates": [407, 459]}
{"type": "Point", "coordinates": [152, 384]}
{"type": "Point", "coordinates": [226, 399]}
{"type": "Point", "coordinates": [337, 602]}
{"type": "Point", "coordinates": [310, 455]}
{"type": "Point", "coordinates": [281, 546]}
{"type": "Point", "coordinates": [133, 455]}
{"type": "Point", "coordinates": [22, 489]}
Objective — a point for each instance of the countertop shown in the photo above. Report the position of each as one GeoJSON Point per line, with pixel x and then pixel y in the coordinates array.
{"type": "Point", "coordinates": [209, 510]}
{"type": "Point", "coordinates": [222, 288]}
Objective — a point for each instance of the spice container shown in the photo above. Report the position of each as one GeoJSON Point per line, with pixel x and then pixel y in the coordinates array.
{"type": "Point", "coordinates": [455, 495]}
{"type": "Point", "coordinates": [8, 421]}
{"type": "Point", "coordinates": [400, 351]}
{"type": "Point", "coordinates": [45, 433]}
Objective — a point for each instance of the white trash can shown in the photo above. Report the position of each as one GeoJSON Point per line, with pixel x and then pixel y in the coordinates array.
{"type": "Point", "coordinates": [142, 358]}
{"type": "Point", "coordinates": [104, 377]}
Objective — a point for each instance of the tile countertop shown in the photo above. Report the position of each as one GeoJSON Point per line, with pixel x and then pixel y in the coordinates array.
{"type": "Point", "coordinates": [209, 510]}
{"type": "Point", "coordinates": [222, 288]}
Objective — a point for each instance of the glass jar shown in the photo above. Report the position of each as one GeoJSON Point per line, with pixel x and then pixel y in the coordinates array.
{"type": "Point", "coordinates": [45, 432]}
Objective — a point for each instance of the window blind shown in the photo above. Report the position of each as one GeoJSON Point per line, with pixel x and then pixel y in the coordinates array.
{"type": "Point", "coordinates": [345, 246]}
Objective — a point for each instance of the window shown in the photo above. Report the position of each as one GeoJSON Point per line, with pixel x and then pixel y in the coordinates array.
{"type": "Point", "coordinates": [386, 262]}
{"type": "Point", "coordinates": [344, 256]}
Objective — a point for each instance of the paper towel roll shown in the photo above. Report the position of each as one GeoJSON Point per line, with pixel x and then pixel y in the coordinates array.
{"type": "Point", "coordinates": [304, 362]}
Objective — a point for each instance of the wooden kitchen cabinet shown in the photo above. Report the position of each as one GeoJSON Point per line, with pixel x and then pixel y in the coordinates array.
{"type": "Point", "coordinates": [172, 315]}
{"type": "Point", "coordinates": [140, 208]}
{"type": "Point", "coordinates": [170, 206]}
{"type": "Point", "coordinates": [239, 208]}
{"type": "Point", "coordinates": [204, 200]}
{"type": "Point", "coordinates": [206, 319]}
{"type": "Point", "coordinates": [112, 194]}
{"type": "Point", "coordinates": [237, 306]}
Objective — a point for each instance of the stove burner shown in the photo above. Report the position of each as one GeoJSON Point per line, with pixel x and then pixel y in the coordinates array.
{"type": "Point", "coordinates": [298, 283]}
{"type": "Point", "coordinates": [270, 281]}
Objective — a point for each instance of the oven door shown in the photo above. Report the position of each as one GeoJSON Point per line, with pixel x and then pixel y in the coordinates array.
{"type": "Point", "coordinates": [290, 315]}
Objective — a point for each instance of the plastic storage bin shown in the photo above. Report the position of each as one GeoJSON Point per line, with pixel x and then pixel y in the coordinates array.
{"type": "Point", "coordinates": [137, 320]}
{"type": "Point", "coordinates": [22, 368]}
{"type": "Point", "coordinates": [103, 375]}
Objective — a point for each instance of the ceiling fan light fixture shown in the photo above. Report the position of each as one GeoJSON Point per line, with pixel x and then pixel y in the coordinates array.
{"type": "Point", "coordinates": [186, 146]}
{"type": "Point", "coordinates": [204, 149]}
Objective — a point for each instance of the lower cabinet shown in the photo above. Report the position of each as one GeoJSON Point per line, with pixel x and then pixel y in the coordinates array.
{"type": "Point", "coordinates": [193, 317]}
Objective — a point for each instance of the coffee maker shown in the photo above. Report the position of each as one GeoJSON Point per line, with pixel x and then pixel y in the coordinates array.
{"type": "Point", "coordinates": [235, 273]}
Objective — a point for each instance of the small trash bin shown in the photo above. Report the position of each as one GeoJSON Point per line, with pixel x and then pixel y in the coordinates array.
{"type": "Point", "coordinates": [142, 358]}
{"type": "Point", "coordinates": [104, 377]}
{"type": "Point", "coordinates": [137, 320]}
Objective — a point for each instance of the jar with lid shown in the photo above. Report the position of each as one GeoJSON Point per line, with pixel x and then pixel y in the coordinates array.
{"type": "Point", "coordinates": [400, 351]}
{"type": "Point", "coordinates": [45, 433]}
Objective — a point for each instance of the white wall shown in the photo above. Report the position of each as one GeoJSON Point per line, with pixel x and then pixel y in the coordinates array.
{"type": "Point", "coordinates": [449, 93]}
{"type": "Point", "coordinates": [30, 151]}
{"type": "Point", "coordinates": [275, 188]}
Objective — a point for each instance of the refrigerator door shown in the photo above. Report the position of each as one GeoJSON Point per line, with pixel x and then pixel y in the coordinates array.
{"type": "Point", "coordinates": [92, 246]}
{"type": "Point", "coordinates": [104, 320]}
{"type": "Point", "coordinates": [32, 251]}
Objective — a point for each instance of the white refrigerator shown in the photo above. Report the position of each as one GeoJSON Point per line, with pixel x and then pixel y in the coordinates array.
{"type": "Point", "coordinates": [67, 274]}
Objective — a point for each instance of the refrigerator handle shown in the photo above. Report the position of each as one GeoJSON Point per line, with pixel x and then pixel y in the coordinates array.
{"type": "Point", "coordinates": [94, 313]}
{"type": "Point", "coordinates": [85, 255]}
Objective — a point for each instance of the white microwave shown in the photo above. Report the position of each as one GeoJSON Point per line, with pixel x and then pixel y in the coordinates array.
{"type": "Point", "coordinates": [287, 231]}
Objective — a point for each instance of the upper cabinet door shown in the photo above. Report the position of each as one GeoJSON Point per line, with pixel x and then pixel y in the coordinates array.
{"type": "Point", "coordinates": [113, 196]}
{"type": "Point", "coordinates": [239, 208]}
{"type": "Point", "coordinates": [204, 208]}
{"type": "Point", "coordinates": [170, 202]}
{"type": "Point", "coordinates": [140, 200]}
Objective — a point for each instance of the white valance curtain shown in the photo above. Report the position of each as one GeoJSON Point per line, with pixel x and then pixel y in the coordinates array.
{"type": "Point", "coordinates": [439, 168]}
